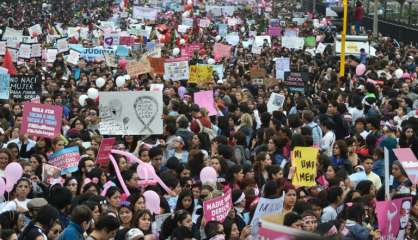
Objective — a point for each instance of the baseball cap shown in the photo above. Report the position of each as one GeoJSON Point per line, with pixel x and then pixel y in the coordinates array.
{"type": "Point", "coordinates": [134, 234]}
{"type": "Point", "coordinates": [37, 203]}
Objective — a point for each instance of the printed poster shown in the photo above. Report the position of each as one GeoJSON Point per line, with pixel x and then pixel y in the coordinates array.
{"type": "Point", "coordinates": [66, 159]}
{"type": "Point", "coordinates": [50, 172]}
{"type": "Point", "coordinates": [304, 160]}
{"type": "Point", "coordinates": [282, 66]}
{"type": "Point", "coordinates": [104, 150]}
{"type": "Point", "coordinates": [131, 113]}
{"type": "Point", "coordinates": [25, 87]}
{"type": "Point", "coordinates": [42, 120]}
{"type": "Point", "coordinates": [176, 69]}
{"type": "Point", "coordinates": [275, 102]}
{"type": "Point", "coordinates": [295, 81]}
{"type": "Point", "coordinates": [221, 50]}
{"type": "Point", "coordinates": [217, 209]}
{"type": "Point", "coordinates": [393, 217]}
{"type": "Point", "coordinates": [24, 51]}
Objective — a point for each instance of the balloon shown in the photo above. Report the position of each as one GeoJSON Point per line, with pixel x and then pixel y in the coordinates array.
{"type": "Point", "coordinates": [398, 73]}
{"type": "Point", "coordinates": [218, 38]}
{"type": "Point", "coordinates": [120, 81]}
{"type": "Point", "coordinates": [182, 41]}
{"type": "Point", "coordinates": [189, 2]}
{"type": "Point", "coordinates": [406, 76]}
{"type": "Point", "coordinates": [92, 93]}
{"type": "Point", "coordinates": [211, 61]}
{"type": "Point", "coordinates": [13, 172]}
{"type": "Point", "coordinates": [176, 51]}
{"type": "Point", "coordinates": [242, 29]}
{"type": "Point", "coordinates": [152, 201]}
{"type": "Point", "coordinates": [2, 186]}
{"type": "Point", "coordinates": [82, 100]}
{"type": "Point", "coordinates": [120, 178]}
{"type": "Point", "coordinates": [360, 69]}
{"type": "Point", "coordinates": [208, 174]}
{"type": "Point", "coordinates": [100, 82]}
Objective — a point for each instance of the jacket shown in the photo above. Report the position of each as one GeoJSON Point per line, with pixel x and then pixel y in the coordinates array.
{"type": "Point", "coordinates": [72, 232]}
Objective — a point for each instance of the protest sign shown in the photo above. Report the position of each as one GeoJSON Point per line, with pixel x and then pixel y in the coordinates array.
{"type": "Point", "coordinates": [221, 50]}
{"type": "Point", "coordinates": [176, 69]}
{"type": "Point", "coordinates": [310, 42]}
{"type": "Point", "coordinates": [223, 29]}
{"type": "Point", "coordinates": [275, 31]}
{"type": "Point", "coordinates": [190, 49]}
{"type": "Point", "coordinates": [24, 51]}
{"type": "Point", "coordinates": [275, 102]}
{"type": "Point", "coordinates": [4, 85]}
{"type": "Point", "coordinates": [187, 21]}
{"type": "Point", "coordinates": [110, 60]}
{"type": "Point", "coordinates": [51, 55]}
{"type": "Point", "coordinates": [145, 13]}
{"type": "Point", "coordinates": [135, 68]}
{"type": "Point", "coordinates": [232, 38]}
{"type": "Point", "coordinates": [204, 23]}
{"type": "Point", "coordinates": [219, 70]}
{"type": "Point", "coordinates": [182, 28]}
{"type": "Point", "coordinates": [42, 120]}
{"type": "Point", "coordinates": [217, 209]}
{"type": "Point", "coordinates": [24, 87]}
{"type": "Point", "coordinates": [111, 39]}
{"type": "Point", "coordinates": [270, 229]}
{"type": "Point", "coordinates": [291, 32]}
{"type": "Point", "coordinates": [409, 163]}
{"type": "Point", "coordinates": [50, 172]}
{"type": "Point", "coordinates": [131, 113]}
{"type": "Point", "coordinates": [73, 57]}
{"type": "Point", "coordinates": [35, 30]}
{"type": "Point", "coordinates": [304, 160]}
{"type": "Point", "coordinates": [159, 220]}
{"type": "Point", "coordinates": [36, 51]}
{"type": "Point", "coordinates": [2, 48]}
{"type": "Point", "coordinates": [73, 32]}
{"type": "Point", "coordinates": [126, 40]}
{"type": "Point", "coordinates": [393, 217]}
{"type": "Point", "coordinates": [200, 74]}
{"type": "Point", "coordinates": [66, 159]}
{"type": "Point", "coordinates": [282, 66]}
{"type": "Point", "coordinates": [104, 150]}
{"type": "Point", "coordinates": [295, 81]}
{"type": "Point", "coordinates": [266, 206]}
{"type": "Point", "coordinates": [157, 65]}
{"type": "Point", "coordinates": [321, 48]}
{"type": "Point", "coordinates": [205, 100]}
{"type": "Point", "coordinates": [293, 42]}
{"type": "Point", "coordinates": [156, 87]}
{"type": "Point", "coordinates": [62, 45]}
{"type": "Point", "coordinates": [259, 41]}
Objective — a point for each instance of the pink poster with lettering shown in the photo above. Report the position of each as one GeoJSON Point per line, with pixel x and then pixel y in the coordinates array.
{"type": "Point", "coordinates": [221, 50]}
{"type": "Point", "coordinates": [409, 163]}
{"type": "Point", "coordinates": [205, 100]}
{"type": "Point", "coordinates": [217, 209]}
{"type": "Point", "coordinates": [393, 217]}
{"type": "Point", "coordinates": [42, 120]}
{"type": "Point", "coordinates": [105, 147]}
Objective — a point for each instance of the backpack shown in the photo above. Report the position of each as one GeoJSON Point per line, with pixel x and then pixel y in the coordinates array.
{"type": "Point", "coordinates": [209, 131]}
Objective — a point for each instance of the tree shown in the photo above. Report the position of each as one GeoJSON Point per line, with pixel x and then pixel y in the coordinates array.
{"type": "Point", "coordinates": [401, 3]}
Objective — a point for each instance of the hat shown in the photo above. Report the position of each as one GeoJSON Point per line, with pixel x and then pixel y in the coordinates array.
{"type": "Point", "coordinates": [37, 203]}
{"type": "Point", "coordinates": [134, 234]}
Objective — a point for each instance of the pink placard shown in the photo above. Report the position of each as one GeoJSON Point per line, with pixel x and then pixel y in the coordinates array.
{"type": "Point", "coordinates": [205, 99]}
{"type": "Point", "coordinates": [393, 217]}
{"type": "Point", "coordinates": [409, 162]}
{"type": "Point", "coordinates": [221, 50]}
{"type": "Point", "coordinates": [188, 50]}
{"type": "Point", "coordinates": [104, 150]}
{"type": "Point", "coordinates": [217, 208]}
{"type": "Point", "coordinates": [275, 31]}
{"type": "Point", "coordinates": [42, 120]}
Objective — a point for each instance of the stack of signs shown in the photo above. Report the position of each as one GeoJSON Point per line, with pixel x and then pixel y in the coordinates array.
{"type": "Point", "coordinates": [42, 120]}
{"type": "Point", "coordinates": [295, 81]}
{"type": "Point", "coordinates": [131, 113]}
{"type": "Point", "coordinates": [25, 87]}
{"type": "Point", "coordinates": [176, 69]}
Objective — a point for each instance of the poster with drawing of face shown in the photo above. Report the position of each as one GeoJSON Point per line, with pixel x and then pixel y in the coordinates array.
{"type": "Point", "coordinates": [393, 217]}
{"type": "Point", "coordinates": [275, 102]}
{"type": "Point", "coordinates": [131, 113]}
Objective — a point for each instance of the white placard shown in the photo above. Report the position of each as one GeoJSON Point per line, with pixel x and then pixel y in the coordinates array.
{"type": "Point", "coordinates": [275, 102]}
{"type": "Point", "coordinates": [145, 13]}
{"type": "Point", "coordinates": [182, 28]}
{"type": "Point", "coordinates": [293, 42]}
{"type": "Point", "coordinates": [62, 45]}
{"type": "Point", "coordinates": [35, 30]}
{"type": "Point", "coordinates": [24, 51]}
{"type": "Point", "coordinates": [36, 50]}
{"type": "Point", "coordinates": [51, 55]}
{"type": "Point", "coordinates": [111, 39]}
{"type": "Point", "coordinates": [176, 70]}
{"type": "Point", "coordinates": [259, 40]}
{"type": "Point", "coordinates": [282, 65]}
{"type": "Point", "coordinates": [73, 57]}
{"type": "Point", "coordinates": [266, 206]}
{"type": "Point", "coordinates": [232, 38]}
{"type": "Point", "coordinates": [2, 47]}
{"type": "Point", "coordinates": [156, 87]}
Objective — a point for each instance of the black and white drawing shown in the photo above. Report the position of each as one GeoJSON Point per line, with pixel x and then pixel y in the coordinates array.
{"type": "Point", "coordinates": [275, 102]}
{"type": "Point", "coordinates": [131, 113]}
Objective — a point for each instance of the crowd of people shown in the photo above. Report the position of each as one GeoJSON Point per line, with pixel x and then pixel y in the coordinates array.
{"type": "Point", "coordinates": [351, 119]}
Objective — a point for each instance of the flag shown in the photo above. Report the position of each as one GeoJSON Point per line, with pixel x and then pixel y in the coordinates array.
{"type": "Point", "coordinates": [8, 63]}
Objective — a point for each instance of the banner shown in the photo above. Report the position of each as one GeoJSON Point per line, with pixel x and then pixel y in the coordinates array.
{"type": "Point", "coordinates": [42, 120]}
{"type": "Point", "coordinates": [104, 150]}
{"type": "Point", "coordinates": [217, 209]}
{"type": "Point", "coordinates": [265, 206]}
{"type": "Point", "coordinates": [205, 100]}
{"type": "Point", "coordinates": [275, 102]}
{"type": "Point", "coordinates": [295, 81]}
{"type": "Point", "coordinates": [135, 68]}
{"type": "Point", "coordinates": [200, 74]}
{"type": "Point", "coordinates": [304, 160]}
{"type": "Point", "coordinates": [131, 113]}
{"type": "Point", "coordinates": [4, 85]}
{"type": "Point", "coordinates": [282, 66]}
{"type": "Point", "coordinates": [393, 217]}
{"type": "Point", "coordinates": [157, 65]}
{"type": "Point", "coordinates": [176, 69]}
{"type": "Point", "coordinates": [409, 163]}
{"type": "Point", "coordinates": [271, 230]}
{"type": "Point", "coordinates": [144, 13]}
{"type": "Point", "coordinates": [25, 87]}
{"type": "Point", "coordinates": [66, 159]}
{"type": "Point", "coordinates": [221, 50]}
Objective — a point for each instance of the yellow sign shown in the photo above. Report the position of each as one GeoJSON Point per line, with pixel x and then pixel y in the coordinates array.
{"type": "Point", "coordinates": [304, 160]}
{"type": "Point", "coordinates": [200, 74]}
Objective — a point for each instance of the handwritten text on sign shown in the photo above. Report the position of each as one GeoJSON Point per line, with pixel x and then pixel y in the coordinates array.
{"type": "Point", "coordinates": [25, 87]}
{"type": "Point", "coordinates": [217, 208]}
{"type": "Point", "coordinates": [41, 120]}
{"type": "Point", "coordinates": [304, 160]}
{"type": "Point", "coordinates": [66, 159]}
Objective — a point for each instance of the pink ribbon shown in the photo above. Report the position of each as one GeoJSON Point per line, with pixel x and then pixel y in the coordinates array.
{"type": "Point", "coordinates": [117, 170]}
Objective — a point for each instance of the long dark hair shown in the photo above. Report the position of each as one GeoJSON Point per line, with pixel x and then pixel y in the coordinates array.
{"type": "Point", "coordinates": [183, 194]}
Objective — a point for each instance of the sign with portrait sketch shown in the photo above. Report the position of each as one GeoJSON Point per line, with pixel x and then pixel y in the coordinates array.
{"type": "Point", "coordinates": [131, 113]}
{"type": "Point", "coordinates": [275, 102]}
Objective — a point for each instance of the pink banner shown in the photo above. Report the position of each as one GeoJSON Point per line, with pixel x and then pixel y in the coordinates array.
{"type": "Point", "coordinates": [409, 162]}
{"type": "Point", "coordinates": [105, 147]}
{"type": "Point", "coordinates": [205, 99]}
{"type": "Point", "coordinates": [275, 31]}
{"type": "Point", "coordinates": [217, 208]}
{"type": "Point", "coordinates": [393, 217]}
{"type": "Point", "coordinates": [188, 51]}
{"type": "Point", "coordinates": [221, 50]}
{"type": "Point", "coordinates": [42, 120]}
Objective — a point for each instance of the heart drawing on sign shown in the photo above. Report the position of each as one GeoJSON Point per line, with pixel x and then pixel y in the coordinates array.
{"type": "Point", "coordinates": [109, 41]}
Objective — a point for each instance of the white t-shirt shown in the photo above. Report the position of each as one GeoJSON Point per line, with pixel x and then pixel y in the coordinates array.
{"type": "Point", "coordinates": [355, 113]}
{"type": "Point", "coordinates": [327, 143]}
{"type": "Point", "coordinates": [328, 214]}
{"type": "Point", "coordinates": [12, 205]}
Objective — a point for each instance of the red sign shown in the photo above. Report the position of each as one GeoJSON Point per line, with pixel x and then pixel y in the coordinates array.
{"type": "Point", "coordinates": [42, 120]}
{"type": "Point", "coordinates": [105, 147]}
